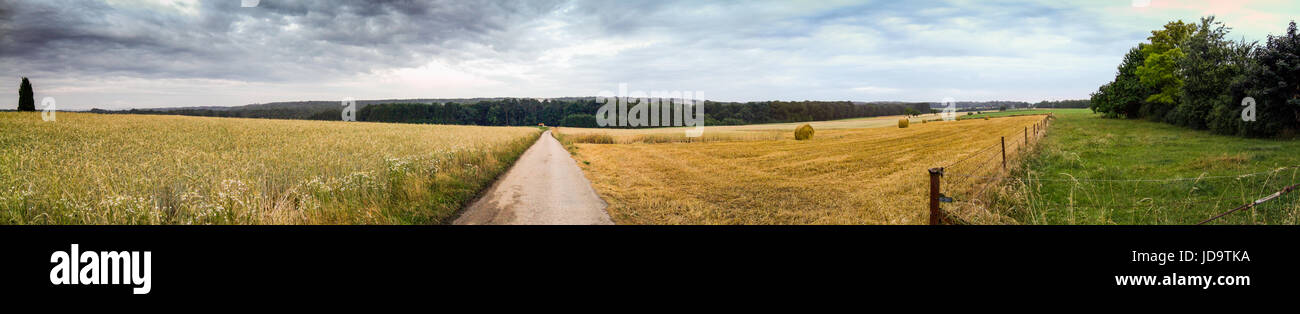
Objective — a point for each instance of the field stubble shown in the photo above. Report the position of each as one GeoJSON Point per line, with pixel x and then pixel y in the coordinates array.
{"type": "Point", "coordinates": [725, 133]}
{"type": "Point", "coordinates": [841, 176]}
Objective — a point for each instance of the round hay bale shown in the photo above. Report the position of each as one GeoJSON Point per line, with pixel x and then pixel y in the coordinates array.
{"type": "Point", "coordinates": [902, 123]}
{"type": "Point", "coordinates": [803, 132]}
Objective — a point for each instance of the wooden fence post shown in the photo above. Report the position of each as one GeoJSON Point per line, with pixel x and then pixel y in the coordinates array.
{"type": "Point", "coordinates": [936, 214]}
{"type": "Point", "coordinates": [1004, 153]}
{"type": "Point", "coordinates": [1026, 136]}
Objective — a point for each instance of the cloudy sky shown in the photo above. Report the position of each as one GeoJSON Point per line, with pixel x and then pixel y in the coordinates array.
{"type": "Point", "coordinates": [167, 53]}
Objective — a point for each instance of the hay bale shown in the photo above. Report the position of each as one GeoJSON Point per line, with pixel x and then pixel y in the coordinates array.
{"type": "Point", "coordinates": [803, 132]}
{"type": "Point", "coordinates": [902, 123]}
{"type": "Point", "coordinates": [986, 117]}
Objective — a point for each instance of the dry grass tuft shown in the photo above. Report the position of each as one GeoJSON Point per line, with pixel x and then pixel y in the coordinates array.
{"type": "Point", "coordinates": [1222, 161]}
{"type": "Point", "coordinates": [592, 138]}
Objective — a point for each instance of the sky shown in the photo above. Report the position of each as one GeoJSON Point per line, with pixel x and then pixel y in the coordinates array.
{"type": "Point", "coordinates": [117, 54]}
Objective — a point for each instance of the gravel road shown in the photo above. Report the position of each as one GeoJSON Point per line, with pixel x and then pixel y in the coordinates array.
{"type": "Point", "coordinates": [544, 187]}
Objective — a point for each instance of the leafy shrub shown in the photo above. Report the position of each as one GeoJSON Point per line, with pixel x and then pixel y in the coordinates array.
{"type": "Point", "coordinates": [1193, 75]}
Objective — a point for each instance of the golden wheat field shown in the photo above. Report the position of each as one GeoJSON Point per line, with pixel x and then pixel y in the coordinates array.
{"type": "Point", "coordinates": [840, 176]}
{"type": "Point", "coordinates": [145, 169]}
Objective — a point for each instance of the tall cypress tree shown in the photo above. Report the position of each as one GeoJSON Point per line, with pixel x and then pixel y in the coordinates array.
{"type": "Point", "coordinates": [26, 99]}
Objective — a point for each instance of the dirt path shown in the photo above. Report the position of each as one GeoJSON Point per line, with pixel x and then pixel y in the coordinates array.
{"type": "Point", "coordinates": [544, 187]}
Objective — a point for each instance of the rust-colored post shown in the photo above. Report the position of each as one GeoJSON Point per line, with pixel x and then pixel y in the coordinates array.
{"type": "Point", "coordinates": [1004, 153]}
{"type": "Point", "coordinates": [1026, 135]}
{"type": "Point", "coordinates": [936, 215]}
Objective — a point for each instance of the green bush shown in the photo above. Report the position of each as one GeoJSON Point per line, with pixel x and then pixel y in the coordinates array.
{"type": "Point", "coordinates": [1194, 75]}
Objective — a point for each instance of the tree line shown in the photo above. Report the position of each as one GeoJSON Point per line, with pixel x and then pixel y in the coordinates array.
{"type": "Point", "coordinates": [1192, 75]}
{"type": "Point", "coordinates": [1073, 103]}
{"type": "Point", "coordinates": [579, 112]}
{"type": "Point", "coordinates": [568, 111]}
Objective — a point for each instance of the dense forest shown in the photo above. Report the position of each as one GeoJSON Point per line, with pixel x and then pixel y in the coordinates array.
{"type": "Point", "coordinates": [1192, 75]}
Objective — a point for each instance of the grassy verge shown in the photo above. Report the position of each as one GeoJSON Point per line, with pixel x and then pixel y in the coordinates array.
{"type": "Point", "coordinates": [138, 169]}
{"type": "Point", "coordinates": [1082, 171]}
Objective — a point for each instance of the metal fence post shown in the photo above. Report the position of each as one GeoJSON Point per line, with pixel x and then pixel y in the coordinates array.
{"type": "Point", "coordinates": [936, 214]}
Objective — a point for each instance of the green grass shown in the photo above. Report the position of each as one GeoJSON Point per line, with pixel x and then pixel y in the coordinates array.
{"type": "Point", "coordinates": [1082, 145]}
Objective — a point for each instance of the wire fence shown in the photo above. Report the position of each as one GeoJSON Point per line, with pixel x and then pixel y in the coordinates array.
{"type": "Point", "coordinates": [990, 186]}
{"type": "Point", "coordinates": [959, 183]}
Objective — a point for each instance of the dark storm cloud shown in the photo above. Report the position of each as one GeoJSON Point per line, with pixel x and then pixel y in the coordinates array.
{"type": "Point", "coordinates": [297, 40]}
{"type": "Point", "coordinates": [141, 53]}
{"type": "Point", "coordinates": [278, 40]}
